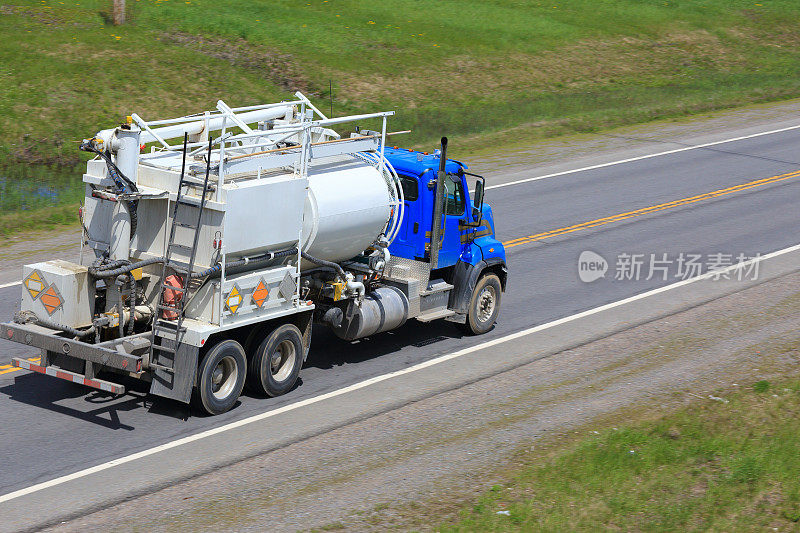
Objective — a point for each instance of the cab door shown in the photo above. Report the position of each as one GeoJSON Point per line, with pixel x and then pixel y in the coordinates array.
{"type": "Point", "coordinates": [455, 206]}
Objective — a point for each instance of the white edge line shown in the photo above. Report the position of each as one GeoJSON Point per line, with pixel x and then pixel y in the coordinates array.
{"type": "Point", "coordinates": [377, 379]}
{"type": "Point", "coordinates": [10, 284]}
{"type": "Point", "coordinates": [621, 161]}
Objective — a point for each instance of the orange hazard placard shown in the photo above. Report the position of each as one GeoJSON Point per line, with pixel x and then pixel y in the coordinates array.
{"type": "Point", "coordinates": [260, 294]}
{"type": "Point", "coordinates": [51, 299]}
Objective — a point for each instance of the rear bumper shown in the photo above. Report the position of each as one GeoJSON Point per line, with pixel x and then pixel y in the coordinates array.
{"type": "Point", "coordinates": [107, 354]}
{"type": "Point", "coordinates": [107, 386]}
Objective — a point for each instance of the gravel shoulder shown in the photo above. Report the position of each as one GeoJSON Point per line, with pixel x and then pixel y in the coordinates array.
{"type": "Point", "coordinates": [412, 467]}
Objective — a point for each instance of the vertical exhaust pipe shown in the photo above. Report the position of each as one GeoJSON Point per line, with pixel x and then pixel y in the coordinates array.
{"type": "Point", "coordinates": [438, 207]}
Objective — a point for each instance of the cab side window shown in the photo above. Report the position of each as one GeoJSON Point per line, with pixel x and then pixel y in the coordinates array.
{"type": "Point", "coordinates": [454, 195]}
{"type": "Point", "coordinates": [410, 188]}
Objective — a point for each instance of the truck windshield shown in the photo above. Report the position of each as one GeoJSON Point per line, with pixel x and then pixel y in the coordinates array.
{"type": "Point", "coordinates": [454, 195]}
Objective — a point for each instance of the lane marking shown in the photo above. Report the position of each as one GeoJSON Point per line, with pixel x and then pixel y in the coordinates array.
{"type": "Point", "coordinates": [7, 369]}
{"type": "Point", "coordinates": [651, 209]}
{"type": "Point", "coordinates": [378, 379]}
{"type": "Point", "coordinates": [602, 165]}
{"type": "Point", "coordinates": [641, 157]}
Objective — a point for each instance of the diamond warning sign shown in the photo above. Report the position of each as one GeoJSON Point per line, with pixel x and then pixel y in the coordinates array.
{"type": "Point", "coordinates": [51, 299]}
{"type": "Point", "coordinates": [34, 284]}
{"type": "Point", "coordinates": [260, 294]}
{"type": "Point", "coordinates": [234, 299]}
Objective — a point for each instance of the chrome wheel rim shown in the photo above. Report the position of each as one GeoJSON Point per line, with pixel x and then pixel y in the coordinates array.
{"type": "Point", "coordinates": [282, 361]}
{"type": "Point", "coordinates": [486, 303]}
{"type": "Point", "coordinates": [223, 377]}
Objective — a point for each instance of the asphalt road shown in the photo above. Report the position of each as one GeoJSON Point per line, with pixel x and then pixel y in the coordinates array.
{"type": "Point", "coordinates": [50, 428]}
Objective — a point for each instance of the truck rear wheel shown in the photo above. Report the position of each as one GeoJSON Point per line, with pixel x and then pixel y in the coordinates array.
{"type": "Point", "coordinates": [221, 377]}
{"type": "Point", "coordinates": [277, 361]}
{"type": "Point", "coordinates": [484, 306]}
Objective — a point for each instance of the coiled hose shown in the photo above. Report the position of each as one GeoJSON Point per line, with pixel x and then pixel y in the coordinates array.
{"type": "Point", "coordinates": [322, 262]}
{"type": "Point", "coordinates": [112, 269]}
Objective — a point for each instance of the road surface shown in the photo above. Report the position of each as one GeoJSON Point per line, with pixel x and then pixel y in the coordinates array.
{"type": "Point", "coordinates": [715, 204]}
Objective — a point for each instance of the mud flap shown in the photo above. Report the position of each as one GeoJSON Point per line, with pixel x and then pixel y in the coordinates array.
{"type": "Point", "coordinates": [177, 385]}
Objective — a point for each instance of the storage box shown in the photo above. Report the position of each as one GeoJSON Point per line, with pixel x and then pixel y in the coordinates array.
{"type": "Point", "coordinates": [58, 291]}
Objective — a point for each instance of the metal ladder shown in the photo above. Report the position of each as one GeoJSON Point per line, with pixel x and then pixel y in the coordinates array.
{"type": "Point", "coordinates": [173, 330]}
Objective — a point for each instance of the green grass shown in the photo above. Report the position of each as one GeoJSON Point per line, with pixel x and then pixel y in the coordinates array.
{"type": "Point", "coordinates": [470, 69]}
{"type": "Point", "coordinates": [715, 466]}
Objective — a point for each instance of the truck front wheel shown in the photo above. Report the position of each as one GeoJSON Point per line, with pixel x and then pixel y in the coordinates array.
{"type": "Point", "coordinates": [484, 306]}
{"type": "Point", "coordinates": [277, 361]}
{"type": "Point", "coordinates": [221, 377]}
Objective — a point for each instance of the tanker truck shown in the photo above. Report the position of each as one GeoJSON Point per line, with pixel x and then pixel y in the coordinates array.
{"type": "Point", "coordinates": [213, 243]}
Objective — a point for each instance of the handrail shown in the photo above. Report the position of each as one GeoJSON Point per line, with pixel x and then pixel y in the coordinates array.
{"type": "Point", "coordinates": [318, 143]}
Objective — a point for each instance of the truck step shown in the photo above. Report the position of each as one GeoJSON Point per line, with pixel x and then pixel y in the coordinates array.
{"type": "Point", "coordinates": [185, 225]}
{"type": "Point", "coordinates": [180, 246]}
{"type": "Point", "coordinates": [172, 288]}
{"type": "Point", "coordinates": [163, 348]}
{"type": "Point", "coordinates": [169, 325]}
{"type": "Point", "coordinates": [162, 367]}
{"type": "Point", "coordinates": [435, 315]}
{"type": "Point", "coordinates": [436, 287]}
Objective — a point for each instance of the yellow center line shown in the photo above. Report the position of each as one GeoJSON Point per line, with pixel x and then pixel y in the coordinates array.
{"type": "Point", "coordinates": [7, 369]}
{"type": "Point", "coordinates": [651, 209]}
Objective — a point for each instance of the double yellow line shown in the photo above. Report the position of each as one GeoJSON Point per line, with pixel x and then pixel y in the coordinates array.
{"type": "Point", "coordinates": [6, 369]}
{"type": "Point", "coordinates": [652, 209]}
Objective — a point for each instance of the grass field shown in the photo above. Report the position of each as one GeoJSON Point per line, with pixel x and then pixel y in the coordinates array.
{"type": "Point", "coordinates": [730, 464]}
{"type": "Point", "coordinates": [478, 71]}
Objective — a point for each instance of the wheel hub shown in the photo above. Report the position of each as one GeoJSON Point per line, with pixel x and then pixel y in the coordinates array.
{"type": "Point", "coordinates": [486, 303]}
{"type": "Point", "coordinates": [223, 378]}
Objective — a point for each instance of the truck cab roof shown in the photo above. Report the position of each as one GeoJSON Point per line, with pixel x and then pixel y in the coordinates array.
{"type": "Point", "coordinates": [415, 163]}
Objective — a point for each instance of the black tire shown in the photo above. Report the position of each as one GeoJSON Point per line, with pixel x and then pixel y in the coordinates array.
{"type": "Point", "coordinates": [484, 306]}
{"type": "Point", "coordinates": [221, 377]}
{"type": "Point", "coordinates": [276, 363]}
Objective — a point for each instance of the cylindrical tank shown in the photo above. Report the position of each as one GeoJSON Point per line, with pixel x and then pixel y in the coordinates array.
{"type": "Point", "coordinates": [347, 208]}
{"type": "Point", "coordinates": [381, 310]}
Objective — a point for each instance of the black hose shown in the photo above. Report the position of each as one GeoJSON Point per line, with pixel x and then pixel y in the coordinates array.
{"type": "Point", "coordinates": [123, 183]}
{"type": "Point", "coordinates": [330, 264]}
{"type": "Point", "coordinates": [26, 317]}
{"type": "Point", "coordinates": [242, 262]}
{"type": "Point", "coordinates": [132, 300]}
{"type": "Point", "coordinates": [116, 268]}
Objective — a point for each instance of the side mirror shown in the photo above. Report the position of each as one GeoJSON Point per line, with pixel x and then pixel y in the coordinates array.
{"type": "Point", "coordinates": [477, 199]}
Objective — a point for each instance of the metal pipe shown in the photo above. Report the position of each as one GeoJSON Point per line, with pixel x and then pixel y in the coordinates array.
{"type": "Point", "coordinates": [198, 126]}
{"type": "Point", "coordinates": [438, 206]}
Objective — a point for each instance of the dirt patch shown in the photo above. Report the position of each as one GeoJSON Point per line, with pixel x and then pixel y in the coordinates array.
{"type": "Point", "coordinates": [43, 15]}
{"type": "Point", "coordinates": [279, 68]}
{"type": "Point", "coordinates": [47, 151]}
{"type": "Point", "coordinates": [583, 64]}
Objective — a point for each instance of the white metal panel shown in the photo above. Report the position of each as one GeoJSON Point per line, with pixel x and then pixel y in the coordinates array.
{"type": "Point", "coordinates": [264, 215]}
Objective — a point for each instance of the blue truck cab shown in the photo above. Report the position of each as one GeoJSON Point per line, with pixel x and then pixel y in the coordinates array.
{"type": "Point", "coordinates": [470, 259]}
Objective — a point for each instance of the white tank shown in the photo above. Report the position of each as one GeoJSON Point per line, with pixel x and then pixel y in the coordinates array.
{"type": "Point", "coordinates": [345, 208]}
{"type": "Point", "coordinates": [348, 206]}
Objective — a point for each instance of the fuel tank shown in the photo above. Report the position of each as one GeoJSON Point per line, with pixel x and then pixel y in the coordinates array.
{"type": "Point", "coordinates": [381, 310]}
